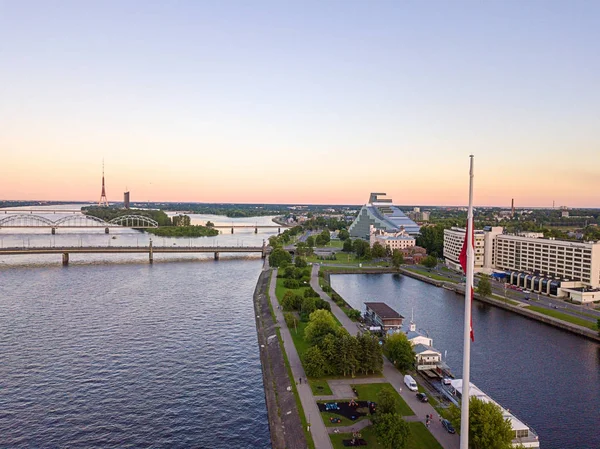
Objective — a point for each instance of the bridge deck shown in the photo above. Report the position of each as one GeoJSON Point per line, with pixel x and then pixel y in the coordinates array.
{"type": "Point", "coordinates": [134, 249]}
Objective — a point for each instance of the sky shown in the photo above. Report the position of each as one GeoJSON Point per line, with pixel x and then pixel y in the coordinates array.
{"type": "Point", "coordinates": [311, 102]}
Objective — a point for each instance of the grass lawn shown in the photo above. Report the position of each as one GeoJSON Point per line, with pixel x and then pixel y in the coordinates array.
{"type": "Point", "coordinates": [437, 277]}
{"type": "Point", "coordinates": [501, 298]}
{"type": "Point", "coordinates": [421, 438]}
{"type": "Point", "coordinates": [343, 422]}
{"type": "Point", "coordinates": [368, 434]}
{"type": "Point", "coordinates": [368, 392]}
{"type": "Point", "coordinates": [319, 387]}
{"type": "Point", "coordinates": [565, 317]}
{"type": "Point", "coordinates": [333, 244]}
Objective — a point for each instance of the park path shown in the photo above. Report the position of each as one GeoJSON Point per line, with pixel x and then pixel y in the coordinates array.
{"type": "Point", "coordinates": [392, 375]}
{"type": "Point", "coordinates": [311, 410]}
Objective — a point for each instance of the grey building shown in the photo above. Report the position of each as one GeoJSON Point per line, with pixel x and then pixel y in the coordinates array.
{"type": "Point", "coordinates": [382, 214]}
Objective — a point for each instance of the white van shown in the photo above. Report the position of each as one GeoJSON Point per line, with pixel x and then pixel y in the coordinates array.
{"type": "Point", "coordinates": [410, 383]}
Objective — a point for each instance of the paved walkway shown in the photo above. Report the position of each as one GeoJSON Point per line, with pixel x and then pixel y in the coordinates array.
{"type": "Point", "coordinates": [392, 375]}
{"type": "Point", "coordinates": [353, 428]}
{"type": "Point", "coordinates": [311, 410]}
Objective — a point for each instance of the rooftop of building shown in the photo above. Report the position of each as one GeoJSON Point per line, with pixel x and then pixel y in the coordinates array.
{"type": "Point", "coordinates": [421, 348]}
{"type": "Point", "coordinates": [383, 310]}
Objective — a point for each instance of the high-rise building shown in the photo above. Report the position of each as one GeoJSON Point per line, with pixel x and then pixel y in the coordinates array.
{"type": "Point", "coordinates": [126, 200]}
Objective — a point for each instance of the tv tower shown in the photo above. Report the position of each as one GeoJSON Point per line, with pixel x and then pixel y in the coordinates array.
{"type": "Point", "coordinates": [103, 201]}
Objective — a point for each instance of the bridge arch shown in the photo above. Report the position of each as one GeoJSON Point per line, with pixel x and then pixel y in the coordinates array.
{"type": "Point", "coordinates": [135, 221]}
{"type": "Point", "coordinates": [25, 220]}
{"type": "Point", "coordinates": [80, 220]}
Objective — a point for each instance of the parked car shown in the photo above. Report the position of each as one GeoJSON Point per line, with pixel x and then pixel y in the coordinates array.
{"type": "Point", "coordinates": [448, 426]}
{"type": "Point", "coordinates": [447, 381]}
{"type": "Point", "coordinates": [422, 397]}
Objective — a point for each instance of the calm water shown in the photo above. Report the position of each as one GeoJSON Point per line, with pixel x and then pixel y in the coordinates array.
{"type": "Point", "coordinates": [548, 377]}
{"type": "Point", "coordinates": [114, 352]}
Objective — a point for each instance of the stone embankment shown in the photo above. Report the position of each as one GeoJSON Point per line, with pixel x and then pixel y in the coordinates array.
{"type": "Point", "coordinates": [524, 311]}
{"type": "Point", "coordinates": [284, 421]}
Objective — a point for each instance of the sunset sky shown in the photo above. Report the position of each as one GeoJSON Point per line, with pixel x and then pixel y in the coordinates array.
{"type": "Point", "coordinates": [301, 101]}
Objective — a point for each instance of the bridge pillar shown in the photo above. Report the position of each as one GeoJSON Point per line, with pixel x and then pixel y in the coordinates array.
{"type": "Point", "coordinates": [150, 253]}
{"type": "Point", "coordinates": [216, 256]}
{"type": "Point", "coordinates": [232, 229]}
{"type": "Point", "coordinates": [65, 259]}
{"type": "Point", "coordinates": [106, 231]}
{"type": "Point", "coordinates": [256, 230]}
{"type": "Point", "coordinates": [53, 231]}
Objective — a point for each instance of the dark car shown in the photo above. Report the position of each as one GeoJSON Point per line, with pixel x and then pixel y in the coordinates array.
{"type": "Point", "coordinates": [448, 426]}
{"type": "Point", "coordinates": [422, 397]}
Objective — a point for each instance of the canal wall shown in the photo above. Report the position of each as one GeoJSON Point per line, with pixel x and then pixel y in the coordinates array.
{"type": "Point", "coordinates": [284, 421]}
{"type": "Point", "coordinates": [524, 311]}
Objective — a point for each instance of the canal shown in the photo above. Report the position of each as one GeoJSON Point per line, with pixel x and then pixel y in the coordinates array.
{"type": "Point", "coordinates": [549, 378]}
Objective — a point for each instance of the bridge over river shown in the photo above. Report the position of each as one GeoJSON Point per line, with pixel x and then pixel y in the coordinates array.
{"type": "Point", "coordinates": [264, 250]}
{"type": "Point", "coordinates": [89, 221]}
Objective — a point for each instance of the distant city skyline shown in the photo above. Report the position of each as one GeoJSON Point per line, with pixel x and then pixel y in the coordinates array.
{"type": "Point", "coordinates": [301, 103]}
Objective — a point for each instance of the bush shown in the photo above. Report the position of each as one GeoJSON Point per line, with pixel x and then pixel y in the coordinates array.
{"type": "Point", "coordinates": [354, 314]}
{"type": "Point", "coordinates": [322, 304]}
{"type": "Point", "coordinates": [310, 293]}
{"type": "Point", "coordinates": [326, 288]}
{"type": "Point", "coordinates": [291, 283]}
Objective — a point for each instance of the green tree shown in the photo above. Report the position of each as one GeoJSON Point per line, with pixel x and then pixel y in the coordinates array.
{"type": "Point", "coordinates": [487, 427]}
{"type": "Point", "coordinates": [313, 362]}
{"type": "Point", "coordinates": [308, 306]}
{"type": "Point", "coordinates": [310, 241]}
{"type": "Point", "coordinates": [343, 235]}
{"type": "Point", "coordinates": [279, 257]}
{"type": "Point", "coordinates": [300, 262]}
{"type": "Point", "coordinates": [348, 349]}
{"type": "Point", "coordinates": [347, 248]}
{"type": "Point", "coordinates": [378, 250]}
{"type": "Point", "coordinates": [429, 262]}
{"type": "Point", "coordinates": [484, 287]}
{"type": "Point", "coordinates": [325, 236]}
{"type": "Point", "coordinates": [392, 431]}
{"type": "Point", "coordinates": [598, 325]}
{"type": "Point", "coordinates": [209, 224]}
{"type": "Point", "coordinates": [321, 323]}
{"type": "Point", "coordinates": [400, 351]}
{"type": "Point", "coordinates": [354, 314]}
{"type": "Point", "coordinates": [291, 320]}
{"type": "Point", "coordinates": [329, 349]}
{"type": "Point", "coordinates": [397, 258]}
{"type": "Point", "coordinates": [386, 401]}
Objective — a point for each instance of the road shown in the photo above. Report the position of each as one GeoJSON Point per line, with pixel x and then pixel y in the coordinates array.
{"type": "Point", "coordinates": [536, 299]}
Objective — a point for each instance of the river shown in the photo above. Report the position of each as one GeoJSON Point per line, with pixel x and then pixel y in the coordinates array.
{"type": "Point", "coordinates": [549, 378]}
{"type": "Point", "coordinates": [114, 352]}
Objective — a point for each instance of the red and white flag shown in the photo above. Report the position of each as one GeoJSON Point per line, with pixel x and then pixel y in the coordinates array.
{"type": "Point", "coordinates": [462, 258]}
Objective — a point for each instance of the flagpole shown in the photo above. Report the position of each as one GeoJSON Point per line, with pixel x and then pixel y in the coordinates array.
{"type": "Point", "coordinates": [466, 383]}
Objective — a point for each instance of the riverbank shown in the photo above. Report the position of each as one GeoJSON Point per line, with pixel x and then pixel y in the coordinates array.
{"type": "Point", "coordinates": [524, 311]}
{"type": "Point", "coordinates": [284, 420]}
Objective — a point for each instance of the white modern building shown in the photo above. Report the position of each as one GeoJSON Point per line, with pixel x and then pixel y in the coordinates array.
{"type": "Point", "coordinates": [381, 213]}
{"type": "Point", "coordinates": [391, 240]}
{"type": "Point", "coordinates": [453, 243]}
{"type": "Point", "coordinates": [558, 268]}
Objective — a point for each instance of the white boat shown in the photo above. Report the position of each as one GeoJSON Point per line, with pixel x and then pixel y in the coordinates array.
{"type": "Point", "coordinates": [524, 435]}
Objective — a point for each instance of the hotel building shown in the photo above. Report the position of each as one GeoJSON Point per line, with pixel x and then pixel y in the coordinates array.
{"type": "Point", "coordinates": [558, 268]}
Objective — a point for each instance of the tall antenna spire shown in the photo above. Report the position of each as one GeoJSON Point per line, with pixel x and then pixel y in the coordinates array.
{"type": "Point", "coordinates": [103, 201]}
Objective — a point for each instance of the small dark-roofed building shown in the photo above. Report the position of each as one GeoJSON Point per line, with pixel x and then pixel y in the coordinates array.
{"type": "Point", "coordinates": [380, 314]}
